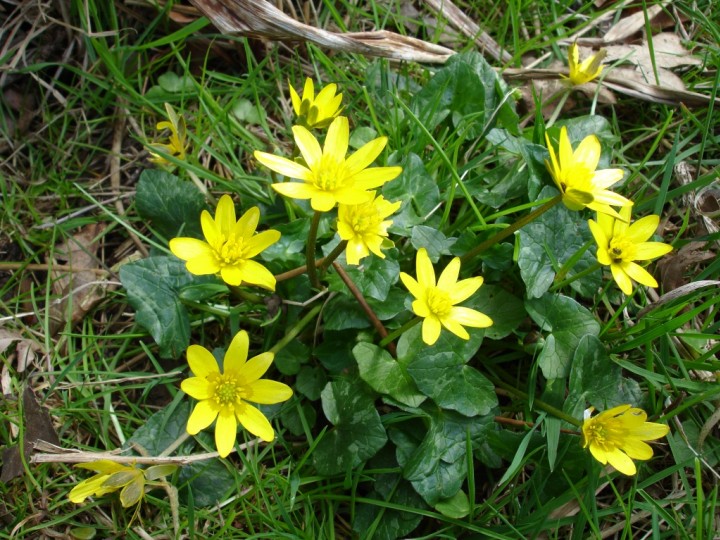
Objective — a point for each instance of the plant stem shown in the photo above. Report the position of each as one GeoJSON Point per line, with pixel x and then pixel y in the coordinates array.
{"type": "Point", "coordinates": [557, 413]}
{"type": "Point", "coordinates": [295, 330]}
{"type": "Point", "coordinates": [334, 254]}
{"type": "Point", "coordinates": [520, 223]}
{"type": "Point", "coordinates": [572, 278]}
{"type": "Point", "coordinates": [400, 331]}
{"type": "Point", "coordinates": [558, 109]}
{"type": "Point", "coordinates": [365, 306]}
{"type": "Point", "coordinates": [310, 251]}
{"type": "Point", "coordinates": [320, 263]}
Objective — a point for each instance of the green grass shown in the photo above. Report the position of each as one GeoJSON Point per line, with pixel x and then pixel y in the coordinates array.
{"type": "Point", "coordinates": [104, 79]}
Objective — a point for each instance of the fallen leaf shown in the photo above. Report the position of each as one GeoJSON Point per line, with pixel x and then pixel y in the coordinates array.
{"type": "Point", "coordinates": [668, 50]}
{"type": "Point", "coordinates": [673, 267]}
{"type": "Point", "coordinates": [627, 26]}
{"type": "Point", "coordinates": [25, 349]}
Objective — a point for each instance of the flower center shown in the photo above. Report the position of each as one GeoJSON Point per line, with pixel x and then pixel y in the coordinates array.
{"type": "Point", "coordinates": [438, 302]}
{"type": "Point", "coordinates": [329, 174]}
{"type": "Point", "coordinates": [227, 391]}
{"type": "Point", "coordinates": [364, 219]}
{"type": "Point", "coordinates": [620, 249]}
{"type": "Point", "coordinates": [231, 251]}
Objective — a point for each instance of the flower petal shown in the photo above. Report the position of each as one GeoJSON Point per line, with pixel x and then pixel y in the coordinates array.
{"type": "Point", "coordinates": [295, 190]}
{"type": "Point", "coordinates": [201, 361]}
{"type": "Point", "coordinates": [374, 177]}
{"type": "Point", "coordinates": [256, 274]}
{"type": "Point", "coordinates": [260, 242]}
{"type": "Point", "coordinates": [639, 274]}
{"type": "Point", "coordinates": [336, 141]}
{"type": "Point", "coordinates": [469, 317]}
{"type": "Point", "coordinates": [268, 392]}
{"type": "Point", "coordinates": [203, 265]}
{"type": "Point", "coordinates": [210, 230]}
{"type": "Point", "coordinates": [464, 289]}
{"type": "Point", "coordinates": [431, 329]}
{"type": "Point", "coordinates": [237, 352]}
{"type": "Point", "coordinates": [308, 146]}
{"type": "Point", "coordinates": [605, 178]}
{"type": "Point", "coordinates": [256, 367]}
{"type": "Point", "coordinates": [355, 250]}
{"type": "Point", "coordinates": [449, 276]}
{"type": "Point", "coordinates": [189, 248]}
{"type": "Point", "coordinates": [282, 165]}
{"type": "Point", "coordinates": [225, 216]}
{"type": "Point", "coordinates": [411, 285]}
{"type": "Point", "coordinates": [643, 229]}
{"type": "Point", "coordinates": [455, 327]}
{"type": "Point", "coordinates": [651, 250]}
{"type": "Point", "coordinates": [588, 152]}
{"type": "Point", "coordinates": [197, 388]}
{"type": "Point", "coordinates": [232, 275]}
{"type": "Point", "coordinates": [323, 201]}
{"type": "Point", "coordinates": [248, 222]}
{"type": "Point", "coordinates": [255, 422]}
{"type": "Point", "coordinates": [636, 449]}
{"type": "Point", "coordinates": [202, 416]}
{"type": "Point", "coordinates": [87, 488]}
{"type": "Point", "coordinates": [424, 269]}
{"type": "Point", "coordinates": [621, 278]}
{"type": "Point", "coordinates": [295, 98]}
{"type": "Point", "coordinates": [621, 461]}
{"type": "Point", "coordinates": [225, 432]}
{"type": "Point", "coordinates": [365, 155]}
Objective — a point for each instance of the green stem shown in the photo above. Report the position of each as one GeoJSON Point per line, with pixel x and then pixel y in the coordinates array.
{"type": "Point", "coordinates": [237, 292]}
{"type": "Point", "coordinates": [399, 331]}
{"type": "Point", "coordinates": [295, 330]}
{"type": "Point", "coordinates": [310, 251]}
{"type": "Point", "coordinates": [175, 444]}
{"type": "Point", "coordinates": [572, 278]}
{"type": "Point", "coordinates": [334, 254]}
{"type": "Point", "coordinates": [557, 413]}
{"type": "Point", "coordinates": [520, 223]}
{"type": "Point", "coordinates": [558, 109]}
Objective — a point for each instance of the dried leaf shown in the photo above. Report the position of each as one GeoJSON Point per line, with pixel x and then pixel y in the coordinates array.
{"type": "Point", "coordinates": [259, 18]}
{"type": "Point", "coordinates": [672, 267]}
{"type": "Point", "coordinates": [669, 53]}
{"type": "Point", "coordinates": [627, 26]}
{"type": "Point", "coordinates": [25, 349]}
{"type": "Point", "coordinates": [80, 289]}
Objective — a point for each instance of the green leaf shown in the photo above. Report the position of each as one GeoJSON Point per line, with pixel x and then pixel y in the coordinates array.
{"type": "Point", "coordinates": [210, 481]}
{"type": "Point", "coordinates": [290, 418]}
{"type": "Point", "coordinates": [153, 286]}
{"type": "Point", "coordinates": [435, 242]}
{"type": "Point", "coordinates": [386, 375]}
{"type": "Point", "coordinates": [438, 465]}
{"type": "Point", "coordinates": [291, 357]}
{"type": "Point", "coordinates": [567, 321]}
{"type": "Point", "coordinates": [342, 313]}
{"type": "Point", "coordinates": [162, 428]}
{"type": "Point", "coordinates": [416, 188]}
{"type": "Point", "coordinates": [457, 506]}
{"type": "Point", "coordinates": [373, 277]}
{"type": "Point", "coordinates": [158, 471]}
{"type": "Point", "coordinates": [505, 309]}
{"type": "Point", "coordinates": [174, 84]}
{"type": "Point", "coordinates": [171, 204]}
{"type": "Point", "coordinates": [290, 249]}
{"type": "Point", "coordinates": [452, 386]}
{"type": "Point", "coordinates": [596, 379]}
{"type": "Point", "coordinates": [582, 126]}
{"type": "Point", "coordinates": [247, 112]}
{"type": "Point", "coordinates": [548, 242]}
{"type": "Point", "coordinates": [311, 381]}
{"type": "Point", "coordinates": [358, 433]}
{"type": "Point", "coordinates": [335, 352]}
{"type": "Point", "coordinates": [361, 135]}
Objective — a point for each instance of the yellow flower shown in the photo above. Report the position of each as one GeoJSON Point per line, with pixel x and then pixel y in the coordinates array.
{"type": "Point", "coordinates": [435, 302]}
{"type": "Point", "coordinates": [620, 244]}
{"type": "Point", "coordinates": [586, 71]}
{"type": "Point", "coordinates": [616, 436]}
{"type": "Point", "coordinates": [177, 145]}
{"type": "Point", "coordinates": [315, 111]}
{"type": "Point", "coordinates": [363, 227]}
{"type": "Point", "coordinates": [225, 395]}
{"type": "Point", "coordinates": [575, 176]}
{"type": "Point", "coordinates": [229, 246]}
{"type": "Point", "coordinates": [112, 476]}
{"type": "Point", "coordinates": [329, 178]}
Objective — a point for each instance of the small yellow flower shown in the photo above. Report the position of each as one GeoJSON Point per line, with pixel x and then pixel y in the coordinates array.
{"type": "Point", "coordinates": [177, 145]}
{"type": "Point", "coordinates": [435, 302]}
{"type": "Point", "coordinates": [316, 112]}
{"type": "Point", "coordinates": [575, 176]}
{"type": "Point", "coordinates": [363, 227]}
{"type": "Point", "coordinates": [620, 244]}
{"type": "Point", "coordinates": [616, 436]}
{"type": "Point", "coordinates": [225, 396]}
{"type": "Point", "coordinates": [228, 247]}
{"type": "Point", "coordinates": [586, 71]}
{"type": "Point", "coordinates": [329, 178]}
{"type": "Point", "coordinates": [111, 476]}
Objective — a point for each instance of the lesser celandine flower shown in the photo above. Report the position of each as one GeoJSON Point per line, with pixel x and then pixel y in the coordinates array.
{"type": "Point", "coordinates": [177, 144]}
{"type": "Point", "coordinates": [621, 244]}
{"type": "Point", "coordinates": [363, 227]}
{"type": "Point", "coordinates": [435, 302]}
{"type": "Point", "coordinates": [226, 395]}
{"type": "Point", "coordinates": [316, 111]}
{"type": "Point", "coordinates": [617, 436]}
{"type": "Point", "coordinates": [228, 247]}
{"type": "Point", "coordinates": [329, 178]}
{"type": "Point", "coordinates": [575, 176]}
{"type": "Point", "coordinates": [588, 69]}
{"type": "Point", "coordinates": [129, 479]}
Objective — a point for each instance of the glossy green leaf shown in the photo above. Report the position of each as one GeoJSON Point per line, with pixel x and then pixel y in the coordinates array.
{"type": "Point", "coordinates": [457, 506]}
{"type": "Point", "coordinates": [162, 428]}
{"type": "Point", "coordinates": [386, 375]}
{"type": "Point", "coordinates": [358, 432]}
{"type": "Point", "coordinates": [310, 381]}
{"type": "Point", "coordinates": [416, 188]}
{"type": "Point", "coordinates": [173, 206]}
{"type": "Point", "coordinates": [435, 242]}
{"type": "Point", "coordinates": [548, 242]}
{"type": "Point", "coordinates": [504, 308]}
{"type": "Point", "coordinates": [373, 277]}
{"type": "Point", "coordinates": [153, 286]}
{"type": "Point", "coordinates": [210, 481]}
{"type": "Point", "coordinates": [567, 321]}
